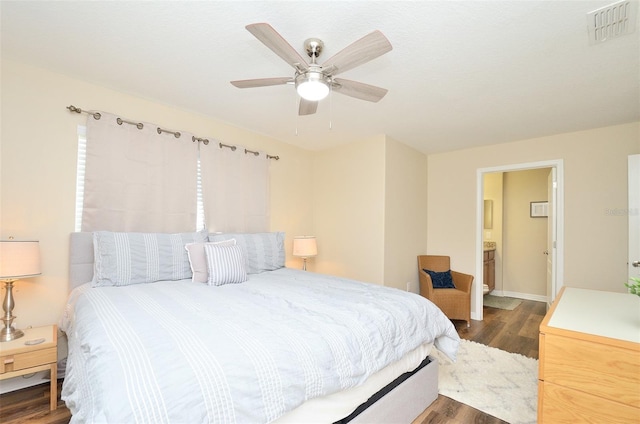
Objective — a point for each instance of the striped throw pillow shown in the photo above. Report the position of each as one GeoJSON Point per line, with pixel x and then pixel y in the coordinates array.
{"type": "Point", "coordinates": [225, 264]}
{"type": "Point", "coordinates": [198, 259]}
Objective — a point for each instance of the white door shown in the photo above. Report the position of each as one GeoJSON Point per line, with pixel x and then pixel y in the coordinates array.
{"type": "Point", "coordinates": [634, 216]}
{"type": "Point", "coordinates": [552, 191]}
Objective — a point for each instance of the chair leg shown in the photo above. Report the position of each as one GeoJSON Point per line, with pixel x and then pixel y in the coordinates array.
{"type": "Point", "coordinates": [468, 323]}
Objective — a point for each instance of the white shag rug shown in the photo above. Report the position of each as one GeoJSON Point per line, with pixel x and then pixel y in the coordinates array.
{"type": "Point", "coordinates": [496, 382]}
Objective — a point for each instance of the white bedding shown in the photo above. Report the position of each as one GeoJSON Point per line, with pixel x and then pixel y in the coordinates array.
{"type": "Point", "coordinates": [186, 352]}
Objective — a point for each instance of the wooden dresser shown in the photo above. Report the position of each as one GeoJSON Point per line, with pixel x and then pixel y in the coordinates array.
{"type": "Point", "coordinates": [589, 360]}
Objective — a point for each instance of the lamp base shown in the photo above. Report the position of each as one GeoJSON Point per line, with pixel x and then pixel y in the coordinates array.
{"type": "Point", "coordinates": [10, 333]}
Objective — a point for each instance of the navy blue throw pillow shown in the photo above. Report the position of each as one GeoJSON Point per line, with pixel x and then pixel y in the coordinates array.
{"type": "Point", "coordinates": [441, 280]}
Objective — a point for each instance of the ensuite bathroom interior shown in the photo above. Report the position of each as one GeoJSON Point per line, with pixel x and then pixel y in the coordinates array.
{"type": "Point", "coordinates": [514, 241]}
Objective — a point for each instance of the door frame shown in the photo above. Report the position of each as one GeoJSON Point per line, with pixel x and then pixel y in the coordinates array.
{"type": "Point", "coordinates": [558, 263]}
{"type": "Point", "coordinates": [633, 213]}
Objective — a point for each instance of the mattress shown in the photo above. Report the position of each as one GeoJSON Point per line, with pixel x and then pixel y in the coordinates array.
{"type": "Point", "coordinates": [259, 351]}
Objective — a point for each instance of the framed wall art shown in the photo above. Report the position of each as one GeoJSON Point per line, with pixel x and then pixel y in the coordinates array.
{"type": "Point", "coordinates": [539, 209]}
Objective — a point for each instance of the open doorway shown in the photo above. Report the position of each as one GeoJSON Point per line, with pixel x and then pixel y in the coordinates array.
{"type": "Point", "coordinates": [551, 234]}
{"type": "Point", "coordinates": [515, 234]}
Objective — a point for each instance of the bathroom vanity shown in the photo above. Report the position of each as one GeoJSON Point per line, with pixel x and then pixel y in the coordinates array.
{"type": "Point", "coordinates": [489, 274]}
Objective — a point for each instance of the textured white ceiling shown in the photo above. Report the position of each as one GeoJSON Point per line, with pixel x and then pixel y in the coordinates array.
{"type": "Point", "coordinates": [460, 74]}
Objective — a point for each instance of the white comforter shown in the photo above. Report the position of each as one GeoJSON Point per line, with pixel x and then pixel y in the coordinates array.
{"type": "Point", "coordinates": [186, 352]}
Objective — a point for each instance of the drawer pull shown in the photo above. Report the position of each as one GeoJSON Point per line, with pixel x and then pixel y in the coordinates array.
{"type": "Point", "coordinates": [8, 361]}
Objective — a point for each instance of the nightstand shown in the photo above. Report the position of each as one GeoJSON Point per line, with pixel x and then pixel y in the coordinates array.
{"type": "Point", "coordinates": [18, 358]}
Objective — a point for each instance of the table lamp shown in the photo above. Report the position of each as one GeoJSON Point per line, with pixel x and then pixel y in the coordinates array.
{"type": "Point", "coordinates": [18, 259]}
{"type": "Point", "coordinates": [305, 247]}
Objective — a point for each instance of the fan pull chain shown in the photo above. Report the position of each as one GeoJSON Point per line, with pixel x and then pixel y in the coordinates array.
{"type": "Point", "coordinates": [295, 108]}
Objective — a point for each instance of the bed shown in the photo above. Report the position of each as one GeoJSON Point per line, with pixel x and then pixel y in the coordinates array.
{"type": "Point", "coordinates": [284, 346]}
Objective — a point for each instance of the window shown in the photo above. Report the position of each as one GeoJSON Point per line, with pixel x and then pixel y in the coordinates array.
{"type": "Point", "coordinates": [80, 167]}
{"type": "Point", "coordinates": [199, 202]}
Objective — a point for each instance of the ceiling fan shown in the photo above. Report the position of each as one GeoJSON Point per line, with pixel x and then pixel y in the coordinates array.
{"type": "Point", "coordinates": [313, 81]}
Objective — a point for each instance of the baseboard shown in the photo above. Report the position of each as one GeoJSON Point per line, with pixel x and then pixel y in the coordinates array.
{"type": "Point", "coordinates": [517, 295]}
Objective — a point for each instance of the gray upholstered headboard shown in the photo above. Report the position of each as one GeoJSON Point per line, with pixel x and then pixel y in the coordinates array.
{"type": "Point", "coordinates": [80, 259]}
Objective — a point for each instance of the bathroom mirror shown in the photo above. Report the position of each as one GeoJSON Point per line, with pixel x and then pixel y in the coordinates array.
{"type": "Point", "coordinates": [488, 214]}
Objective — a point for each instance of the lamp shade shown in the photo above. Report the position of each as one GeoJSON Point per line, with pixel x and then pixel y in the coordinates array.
{"type": "Point", "coordinates": [305, 246]}
{"type": "Point", "coordinates": [19, 259]}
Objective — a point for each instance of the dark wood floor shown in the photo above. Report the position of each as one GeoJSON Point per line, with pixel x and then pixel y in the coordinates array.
{"type": "Point", "coordinates": [31, 405]}
{"type": "Point", "coordinates": [514, 331]}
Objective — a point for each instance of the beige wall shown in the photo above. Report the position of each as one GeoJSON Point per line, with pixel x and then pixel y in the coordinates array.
{"type": "Point", "coordinates": [405, 229]}
{"type": "Point", "coordinates": [525, 238]}
{"type": "Point", "coordinates": [369, 211]}
{"type": "Point", "coordinates": [493, 190]}
{"type": "Point", "coordinates": [595, 175]}
{"type": "Point", "coordinates": [348, 210]}
{"type": "Point", "coordinates": [38, 166]}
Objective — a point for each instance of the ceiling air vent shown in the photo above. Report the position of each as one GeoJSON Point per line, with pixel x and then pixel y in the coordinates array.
{"type": "Point", "coordinates": [612, 21]}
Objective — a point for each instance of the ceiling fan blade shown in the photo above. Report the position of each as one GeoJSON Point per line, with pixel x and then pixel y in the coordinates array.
{"type": "Point", "coordinates": [307, 107]}
{"type": "Point", "coordinates": [272, 39]}
{"type": "Point", "coordinates": [359, 90]}
{"type": "Point", "coordinates": [261, 82]}
{"type": "Point", "coordinates": [365, 49]}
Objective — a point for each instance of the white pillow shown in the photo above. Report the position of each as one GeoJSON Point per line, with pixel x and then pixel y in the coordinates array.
{"type": "Point", "coordinates": [121, 259]}
{"type": "Point", "coordinates": [262, 251]}
{"type": "Point", "coordinates": [198, 259]}
{"type": "Point", "coordinates": [225, 264]}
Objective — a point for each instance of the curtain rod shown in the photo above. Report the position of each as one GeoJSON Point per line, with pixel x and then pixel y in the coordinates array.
{"type": "Point", "coordinates": [140, 125]}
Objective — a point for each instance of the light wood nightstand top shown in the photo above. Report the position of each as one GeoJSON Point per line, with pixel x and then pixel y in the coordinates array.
{"type": "Point", "coordinates": [49, 333]}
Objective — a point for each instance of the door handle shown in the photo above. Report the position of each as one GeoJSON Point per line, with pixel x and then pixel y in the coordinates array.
{"type": "Point", "coordinates": [636, 264]}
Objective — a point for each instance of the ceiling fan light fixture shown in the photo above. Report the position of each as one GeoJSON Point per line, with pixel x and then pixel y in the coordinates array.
{"type": "Point", "coordinates": [312, 86]}
{"type": "Point", "coordinates": [314, 81]}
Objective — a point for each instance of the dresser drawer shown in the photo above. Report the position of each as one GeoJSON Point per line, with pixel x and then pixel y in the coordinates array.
{"type": "Point", "coordinates": [25, 360]}
{"type": "Point", "coordinates": [609, 372]}
{"type": "Point", "coordinates": [563, 405]}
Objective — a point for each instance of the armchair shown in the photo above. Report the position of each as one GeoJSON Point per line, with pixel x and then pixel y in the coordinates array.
{"type": "Point", "coordinates": [454, 302]}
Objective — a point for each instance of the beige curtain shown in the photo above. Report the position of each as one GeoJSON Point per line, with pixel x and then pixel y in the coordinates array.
{"type": "Point", "coordinates": [235, 188]}
{"type": "Point", "coordinates": [137, 179]}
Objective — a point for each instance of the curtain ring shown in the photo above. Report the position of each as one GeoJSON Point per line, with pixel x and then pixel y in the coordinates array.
{"type": "Point", "coordinates": [176, 134]}
{"type": "Point", "coordinates": [139, 125]}
{"type": "Point", "coordinates": [205, 141]}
